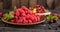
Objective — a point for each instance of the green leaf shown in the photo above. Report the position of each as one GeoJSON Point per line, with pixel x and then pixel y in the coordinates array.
{"type": "Point", "coordinates": [55, 17]}
{"type": "Point", "coordinates": [52, 17]}
{"type": "Point", "coordinates": [8, 16]}
{"type": "Point", "coordinates": [49, 18]}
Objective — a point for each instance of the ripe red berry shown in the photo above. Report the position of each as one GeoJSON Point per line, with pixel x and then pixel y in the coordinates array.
{"type": "Point", "coordinates": [16, 17]}
{"type": "Point", "coordinates": [43, 7]}
{"type": "Point", "coordinates": [37, 5]}
{"type": "Point", "coordinates": [32, 18]}
{"type": "Point", "coordinates": [25, 22]}
{"type": "Point", "coordinates": [24, 8]}
{"type": "Point", "coordinates": [54, 14]}
{"type": "Point", "coordinates": [35, 19]}
{"type": "Point", "coordinates": [27, 16]}
{"type": "Point", "coordinates": [19, 21]}
{"type": "Point", "coordinates": [30, 21]}
{"type": "Point", "coordinates": [59, 16]}
{"type": "Point", "coordinates": [22, 11]}
{"type": "Point", "coordinates": [12, 21]}
{"type": "Point", "coordinates": [0, 14]}
{"type": "Point", "coordinates": [30, 12]}
{"type": "Point", "coordinates": [23, 14]}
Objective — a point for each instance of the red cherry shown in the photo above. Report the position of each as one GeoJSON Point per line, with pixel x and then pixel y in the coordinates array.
{"type": "Point", "coordinates": [40, 11]}
{"type": "Point", "coordinates": [42, 7]}
{"type": "Point", "coordinates": [54, 21]}
{"type": "Point", "coordinates": [59, 16]}
{"type": "Point", "coordinates": [0, 13]}
{"type": "Point", "coordinates": [55, 14]}
{"type": "Point", "coordinates": [37, 5]}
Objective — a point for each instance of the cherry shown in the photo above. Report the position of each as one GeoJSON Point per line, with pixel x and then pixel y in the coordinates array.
{"type": "Point", "coordinates": [54, 21]}
{"type": "Point", "coordinates": [50, 22]}
{"type": "Point", "coordinates": [0, 14]}
{"type": "Point", "coordinates": [37, 5]}
{"type": "Point", "coordinates": [54, 14]}
{"type": "Point", "coordinates": [42, 8]}
{"type": "Point", "coordinates": [59, 16]}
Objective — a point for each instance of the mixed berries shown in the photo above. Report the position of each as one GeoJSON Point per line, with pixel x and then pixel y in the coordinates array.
{"type": "Point", "coordinates": [53, 18]}
{"type": "Point", "coordinates": [38, 9]}
{"type": "Point", "coordinates": [55, 14]}
{"type": "Point", "coordinates": [23, 15]}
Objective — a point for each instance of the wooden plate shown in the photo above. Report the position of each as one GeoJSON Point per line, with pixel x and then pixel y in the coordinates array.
{"type": "Point", "coordinates": [43, 18]}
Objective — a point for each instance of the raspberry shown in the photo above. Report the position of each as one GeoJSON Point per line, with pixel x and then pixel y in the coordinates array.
{"type": "Point", "coordinates": [24, 8]}
{"type": "Point", "coordinates": [25, 22]}
{"type": "Point", "coordinates": [30, 21]}
{"type": "Point", "coordinates": [12, 21]}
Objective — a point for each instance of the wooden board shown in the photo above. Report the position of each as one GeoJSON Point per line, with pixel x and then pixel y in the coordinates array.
{"type": "Point", "coordinates": [24, 2]}
{"type": "Point", "coordinates": [32, 3]}
{"type": "Point", "coordinates": [57, 4]}
{"type": "Point", "coordinates": [18, 4]}
{"type": "Point", "coordinates": [7, 4]}
{"type": "Point", "coordinates": [13, 3]}
{"type": "Point", "coordinates": [1, 5]}
{"type": "Point", "coordinates": [41, 2]}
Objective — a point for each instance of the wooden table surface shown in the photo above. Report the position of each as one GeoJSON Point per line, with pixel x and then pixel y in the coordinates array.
{"type": "Point", "coordinates": [43, 27]}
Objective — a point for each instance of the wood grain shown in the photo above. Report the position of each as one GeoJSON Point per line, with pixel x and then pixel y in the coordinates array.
{"type": "Point", "coordinates": [41, 2]}
{"type": "Point", "coordinates": [32, 3]}
{"type": "Point", "coordinates": [18, 3]}
{"type": "Point", "coordinates": [1, 5]}
{"type": "Point", "coordinates": [24, 2]}
{"type": "Point", "coordinates": [13, 3]}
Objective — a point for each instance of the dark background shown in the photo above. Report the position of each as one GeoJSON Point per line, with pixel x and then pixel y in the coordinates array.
{"type": "Point", "coordinates": [9, 4]}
